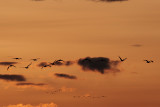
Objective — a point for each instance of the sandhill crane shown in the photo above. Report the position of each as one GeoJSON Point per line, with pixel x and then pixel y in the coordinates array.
{"type": "Point", "coordinates": [147, 61]}
{"type": "Point", "coordinates": [27, 66]}
{"type": "Point", "coordinates": [35, 59]}
{"type": "Point", "coordinates": [17, 58]}
{"type": "Point", "coordinates": [122, 59]}
{"type": "Point", "coordinates": [10, 66]}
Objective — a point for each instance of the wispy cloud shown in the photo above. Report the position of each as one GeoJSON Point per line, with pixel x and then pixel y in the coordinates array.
{"type": "Point", "coordinates": [29, 105]}
{"type": "Point", "coordinates": [65, 76]}
{"type": "Point", "coordinates": [110, 0]}
{"type": "Point", "coordinates": [30, 84]}
{"type": "Point", "coordinates": [8, 77]}
{"type": "Point", "coordinates": [7, 63]}
{"type": "Point", "coordinates": [136, 45]}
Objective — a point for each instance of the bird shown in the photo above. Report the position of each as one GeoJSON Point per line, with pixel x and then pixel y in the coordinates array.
{"type": "Point", "coordinates": [10, 66]}
{"type": "Point", "coordinates": [57, 62]}
{"type": "Point", "coordinates": [147, 61]}
{"type": "Point", "coordinates": [17, 58]}
{"type": "Point", "coordinates": [27, 66]}
{"type": "Point", "coordinates": [122, 59]}
{"type": "Point", "coordinates": [52, 63]}
{"type": "Point", "coordinates": [45, 66]}
{"type": "Point", "coordinates": [35, 59]}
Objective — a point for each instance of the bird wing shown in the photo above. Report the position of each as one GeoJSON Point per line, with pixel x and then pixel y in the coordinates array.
{"type": "Point", "coordinates": [29, 64]}
{"type": "Point", "coordinates": [124, 59]}
{"type": "Point", "coordinates": [120, 58]}
{"type": "Point", "coordinates": [8, 67]}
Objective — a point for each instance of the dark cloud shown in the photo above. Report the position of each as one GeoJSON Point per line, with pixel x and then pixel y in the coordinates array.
{"type": "Point", "coordinates": [68, 63]}
{"type": "Point", "coordinates": [30, 84]}
{"type": "Point", "coordinates": [99, 64]}
{"type": "Point", "coordinates": [65, 76]}
{"type": "Point", "coordinates": [7, 63]}
{"type": "Point", "coordinates": [110, 0]}
{"type": "Point", "coordinates": [8, 77]}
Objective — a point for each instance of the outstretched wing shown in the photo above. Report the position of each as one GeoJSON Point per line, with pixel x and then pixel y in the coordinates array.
{"type": "Point", "coordinates": [120, 58]}
{"type": "Point", "coordinates": [8, 68]}
{"type": "Point", "coordinates": [29, 64]}
{"type": "Point", "coordinates": [124, 59]}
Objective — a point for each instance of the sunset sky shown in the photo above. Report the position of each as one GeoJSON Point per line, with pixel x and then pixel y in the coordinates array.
{"type": "Point", "coordinates": [73, 30]}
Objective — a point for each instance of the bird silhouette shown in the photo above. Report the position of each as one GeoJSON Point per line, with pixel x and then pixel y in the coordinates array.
{"type": "Point", "coordinates": [27, 66]}
{"type": "Point", "coordinates": [17, 58]}
{"type": "Point", "coordinates": [147, 61]}
{"type": "Point", "coordinates": [122, 59]}
{"type": "Point", "coordinates": [53, 63]}
{"type": "Point", "coordinates": [57, 62]}
{"type": "Point", "coordinates": [35, 59]}
{"type": "Point", "coordinates": [54, 91]}
{"type": "Point", "coordinates": [10, 66]}
{"type": "Point", "coordinates": [45, 66]}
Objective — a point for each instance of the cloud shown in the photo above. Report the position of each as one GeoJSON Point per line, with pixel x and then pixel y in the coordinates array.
{"type": "Point", "coordinates": [137, 45]}
{"type": "Point", "coordinates": [99, 64]}
{"type": "Point", "coordinates": [65, 76]}
{"type": "Point", "coordinates": [42, 64]}
{"type": "Point", "coordinates": [29, 105]}
{"type": "Point", "coordinates": [30, 84]}
{"type": "Point", "coordinates": [8, 77]}
{"type": "Point", "coordinates": [7, 63]}
{"type": "Point", "coordinates": [110, 0]}
{"type": "Point", "coordinates": [68, 63]}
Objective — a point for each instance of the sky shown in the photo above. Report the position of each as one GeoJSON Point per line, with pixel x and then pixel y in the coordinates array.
{"type": "Point", "coordinates": [89, 36]}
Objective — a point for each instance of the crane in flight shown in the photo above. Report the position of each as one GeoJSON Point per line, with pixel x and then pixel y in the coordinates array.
{"type": "Point", "coordinates": [27, 66]}
{"type": "Point", "coordinates": [56, 62]}
{"type": "Point", "coordinates": [17, 58]}
{"type": "Point", "coordinates": [149, 61]}
{"type": "Point", "coordinates": [122, 59]}
{"type": "Point", "coordinates": [35, 59]}
{"type": "Point", "coordinates": [10, 67]}
{"type": "Point", "coordinates": [45, 66]}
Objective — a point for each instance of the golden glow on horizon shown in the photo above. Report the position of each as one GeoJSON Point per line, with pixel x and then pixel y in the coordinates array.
{"type": "Point", "coordinates": [73, 29]}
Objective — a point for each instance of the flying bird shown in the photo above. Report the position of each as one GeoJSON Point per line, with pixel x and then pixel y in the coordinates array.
{"type": "Point", "coordinates": [17, 58]}
{"type": "Point", "coordinates": [52, 63]}
{"type": "Point", "coordinates": [56, 62]}
{"type": "Point", "coordinates": [147, 61]}
{"type": "Point", "coordinates": [45, 66]}
{"type": "Point", "coordinates": [10, 66]}
{"type": "Point", "coordinates": [27, 66]}
{"type": "Point", "coordinates": [35, 59]}
{"type": "Point", "coordinates": [122, 59]}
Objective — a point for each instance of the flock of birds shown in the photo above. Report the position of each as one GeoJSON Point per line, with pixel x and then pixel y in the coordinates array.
{"type": "Point", "coordinates": [36, 59]}
{"type": "Point", "coordinates": [59, 61]}
{"type": "Point", "coordinates": [147, 61]}
{"type": "Point", "coordinates": [53, 92]}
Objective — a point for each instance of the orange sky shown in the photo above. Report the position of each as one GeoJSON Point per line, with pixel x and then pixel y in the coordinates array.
{"type": "Point", "coordinates": [73, 29]}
